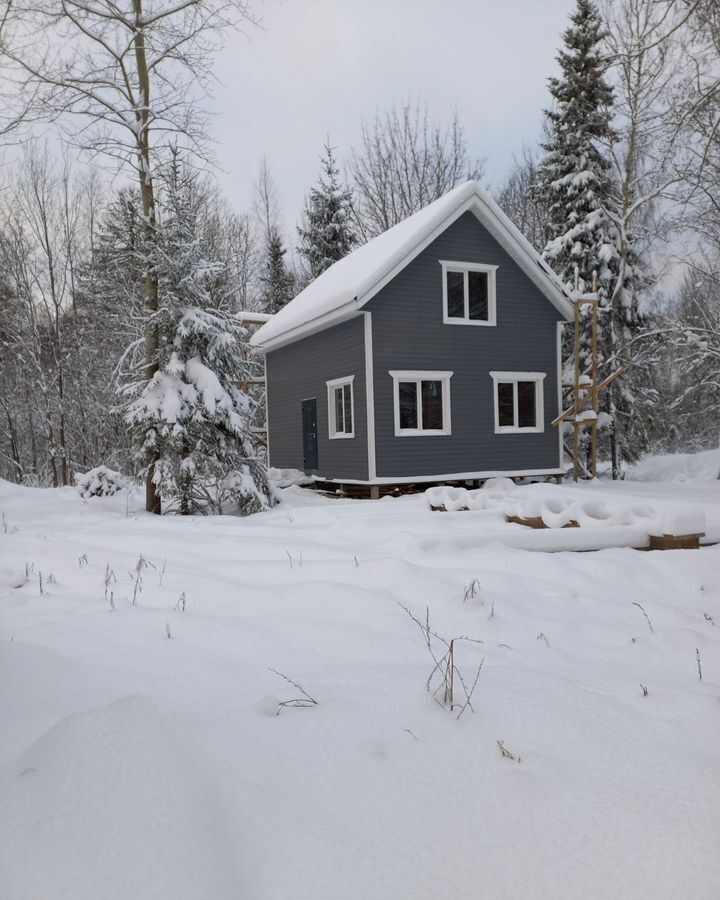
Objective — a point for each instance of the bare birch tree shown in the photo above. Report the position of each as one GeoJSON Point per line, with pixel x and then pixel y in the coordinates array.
{"type": "Point", "coordinates": [642, 47]}
{"type": "Point", "coordinates": [404, 162]}
{"type": "Point", "coordinates": [120, 77]}
{"type": "Point", "coordinates": [266, 198]}
{"type": "Point", "coordinates": [516, 197]}
{"type": "Point", "coordinates": [660, 60]}
{"type": "Point", "coordinates": [44, 242]}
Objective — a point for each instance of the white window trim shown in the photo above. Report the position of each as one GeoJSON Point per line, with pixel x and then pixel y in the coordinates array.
{"type": "Point", "coordinates": [514, 377]}
{"type": "Point", "coordinates": [333, 433]}
{"type": "Point", "coordinates": [418, 376]}
{"type": "Point", "coordinates": [465, 267]}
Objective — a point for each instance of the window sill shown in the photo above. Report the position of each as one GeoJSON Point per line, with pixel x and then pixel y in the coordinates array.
{"type": "Point", "coordinates": [341, 437]}
{"type": "Point", "coordinates": [510, 430]}
{"type": "Point", "coordinates": [485, 323]}
{"type": "Point", "coordinates": [427, 432]}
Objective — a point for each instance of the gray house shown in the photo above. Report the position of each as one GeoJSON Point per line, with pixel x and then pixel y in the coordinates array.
{"type": "Point", "coordinates": [431, 353]}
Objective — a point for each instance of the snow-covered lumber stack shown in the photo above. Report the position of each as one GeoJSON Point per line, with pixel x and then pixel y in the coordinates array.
{"type": "Point", "coordinates": [669, 531]}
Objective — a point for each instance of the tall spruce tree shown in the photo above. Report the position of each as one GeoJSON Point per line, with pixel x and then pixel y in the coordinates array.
{"type": "Point", "coordinates": [574, 178]}
{"type": "Point", "coordinates": [327, 233]}
{"type": "Point", "coordinates": [576, 185]}
{"type": "Point", "coordinates": [277, 282]}
{"type": "Point", "coordinates": [191, 419]}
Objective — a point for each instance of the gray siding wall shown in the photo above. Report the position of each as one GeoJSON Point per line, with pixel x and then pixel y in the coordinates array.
{"type": "Point", "coordinates": [299, 372]}
{"type": "Point", "coordinates": [408, 333]}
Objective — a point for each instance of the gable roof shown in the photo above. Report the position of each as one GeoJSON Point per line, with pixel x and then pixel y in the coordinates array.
{"type": "Point", "coordinates": [352, 281]}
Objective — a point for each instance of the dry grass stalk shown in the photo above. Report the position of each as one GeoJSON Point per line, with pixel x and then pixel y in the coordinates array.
{"type": "Point", "coordinates": [647, 618]}
{"type": "Point", "coordinates": [298, 702]}
{"type": "Point", "coordinates": [441, 682]}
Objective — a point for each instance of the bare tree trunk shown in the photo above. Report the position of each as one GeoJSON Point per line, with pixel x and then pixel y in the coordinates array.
{"type": "Point", "coordinates": [185, 485]}
{"type": "Point", "coordinates": [57, 337]}
{"type": "Point", "coordinates": [14, 443]}
{"type": "Point", "coordinates": [147, 193]}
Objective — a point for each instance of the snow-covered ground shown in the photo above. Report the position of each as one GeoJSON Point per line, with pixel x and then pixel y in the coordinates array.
{"type": "Point", "coordinates": [137, 765]}
{"type": "Point", "coordinates": [678, 467]}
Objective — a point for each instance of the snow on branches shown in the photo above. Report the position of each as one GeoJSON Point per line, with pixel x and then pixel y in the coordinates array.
{"type": "Point", "coordinates": [327, 233]}
{"type": "Point", "coordinates": [190, 418]}
{"type": "Point", "coordinates": [574, 175]}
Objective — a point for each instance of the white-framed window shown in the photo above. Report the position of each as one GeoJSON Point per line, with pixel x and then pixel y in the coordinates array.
{"type": "Point", "coordinates": [518, 401]}
{"type": "Point", "coordinates": [468, 293]}
{"type": "Point", "coordinates": [422, 403]}
{"type": "Point", "coordinates": [341, 407]}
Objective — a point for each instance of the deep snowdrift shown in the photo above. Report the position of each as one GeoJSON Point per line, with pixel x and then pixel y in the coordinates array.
{"type": "Point", "coordinates": [105, 805]}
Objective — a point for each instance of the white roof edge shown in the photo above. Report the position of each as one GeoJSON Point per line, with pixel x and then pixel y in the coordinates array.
{"type": "Point", "coordinates": [312, 326]}
{"type": "Point", "coordinates": [422, 242]}
{"type": "Point", "coordinates": [539, 271]}
{"type": "Point", "coordinates": [467, 197]}
{"type": "Point", "coordinates": [524, 244]}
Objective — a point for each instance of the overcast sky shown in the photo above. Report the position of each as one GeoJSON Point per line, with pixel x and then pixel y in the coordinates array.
{"type": "Point", "coordinates": [320, 67]}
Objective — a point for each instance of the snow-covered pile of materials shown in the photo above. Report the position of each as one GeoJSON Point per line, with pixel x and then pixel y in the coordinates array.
{"type": "Point", "coordinates": [99, 482]}
{"type": "Point", "coordinates": [688, 521]}
{"type": "Point", "coordinates": [505, 498]}
{"type": "Point", "coordinates": [562, 513]}
{"type": "Point", "coordinates": [490, 496]}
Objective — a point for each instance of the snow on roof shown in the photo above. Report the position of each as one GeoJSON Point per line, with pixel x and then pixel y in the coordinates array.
{"type": "Point", "coordinates": [353, 279]}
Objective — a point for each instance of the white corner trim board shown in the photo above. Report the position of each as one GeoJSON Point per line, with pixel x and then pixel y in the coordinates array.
{"type": "Point", "coordinates": [370, 395]}
{"type": "Point", "coordinates": [267, 413]}
{"type": "Point", "coordinates": [514, 378]}
{"type": "Point", "coordinates": [418, 377]}
{"type": "Point", "coordinates": [339, 430]}
{"type": "Point", "coordinates": [464, 268]}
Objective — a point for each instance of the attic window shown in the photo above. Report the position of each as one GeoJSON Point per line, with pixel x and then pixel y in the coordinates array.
{"type": "Point", "coordinates": [341, 408]}
{"type": "Point", "coordinates": [422, 403]}
{"type": "Point", "coordinates": [468, 293]}
{"type": "Point", "coordinates": [519, 405]}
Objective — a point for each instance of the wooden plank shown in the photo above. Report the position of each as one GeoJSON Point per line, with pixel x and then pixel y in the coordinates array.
{"type": "Point", "coordinates": [675, 541]}
{"type": "Point", "coordinates": [606, 382]}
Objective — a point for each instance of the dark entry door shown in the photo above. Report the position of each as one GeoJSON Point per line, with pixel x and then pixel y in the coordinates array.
{"type": "Point", "coordinates": [309, 428]}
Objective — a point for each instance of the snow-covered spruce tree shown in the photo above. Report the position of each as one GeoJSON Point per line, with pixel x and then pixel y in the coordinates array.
{"type": "Point", "coordinates": [574, 179]}
{"type": "Point", "coordinates": [576, 184]}
{"type": "Point", "coordinates": [277, 283]}
{"type": "Point", "coordinates": [327, 233]}
{"type": "Point", "coordinates": [191, 419]}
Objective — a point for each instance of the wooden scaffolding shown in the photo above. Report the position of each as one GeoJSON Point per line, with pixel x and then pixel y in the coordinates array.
{"type": "Point", "coordinates": [586, 388]}
{"type": "Point", "coordinates": [256, 382]}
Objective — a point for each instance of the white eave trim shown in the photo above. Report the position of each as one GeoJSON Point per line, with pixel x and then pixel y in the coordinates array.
{"type": "Point", "coordinates": [335, 317]}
